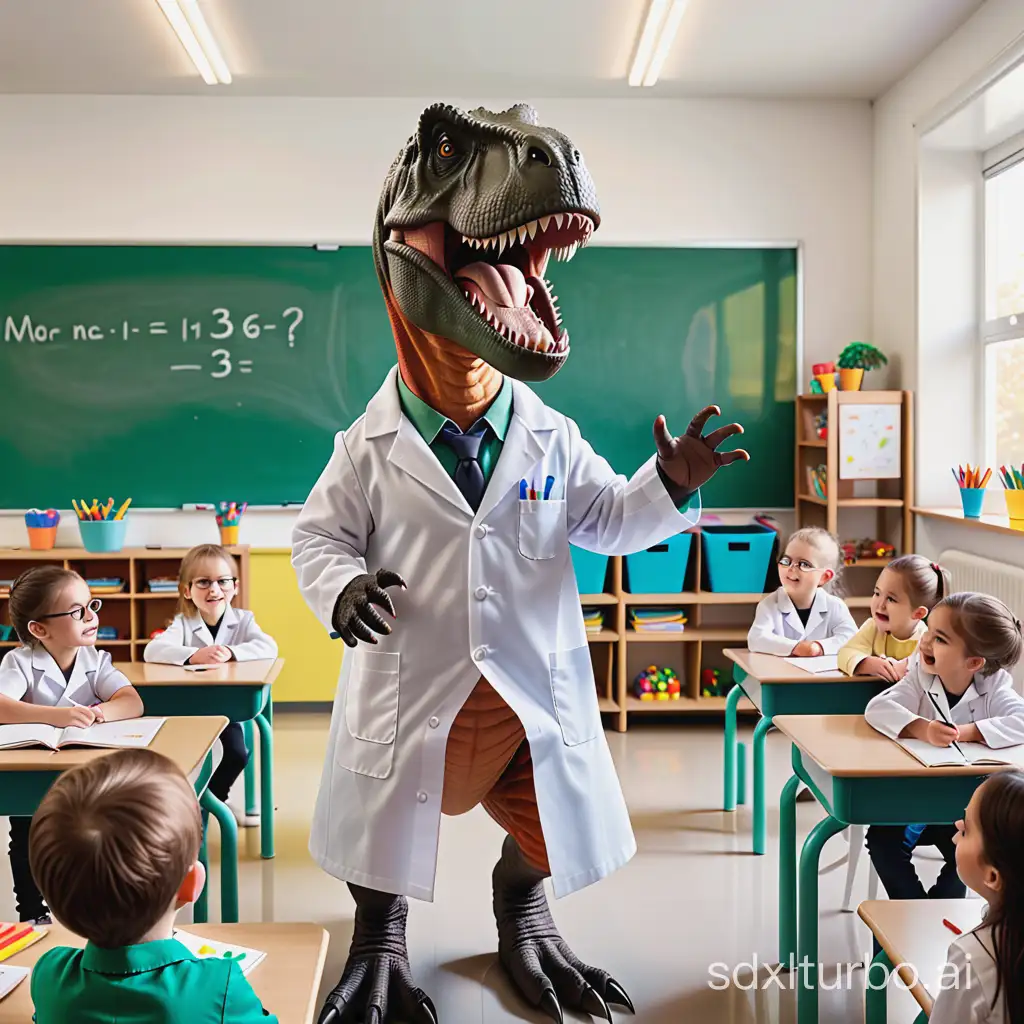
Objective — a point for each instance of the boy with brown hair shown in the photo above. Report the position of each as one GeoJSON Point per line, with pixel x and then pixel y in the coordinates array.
{"type": "Point", "coordinates": [114, 849]}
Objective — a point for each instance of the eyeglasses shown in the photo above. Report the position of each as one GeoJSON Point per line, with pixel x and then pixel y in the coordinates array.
{"type": "Point", "coordinates": [803, 565]}
{"type": "Point", "coordinates": [224, 582]}
{"type": "Point", "coordinates": [76, 613]}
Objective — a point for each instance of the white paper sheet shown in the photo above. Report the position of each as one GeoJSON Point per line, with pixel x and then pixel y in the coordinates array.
{"type": "Point", "coordinates": [11, 977]}
{"type": "Point", "coordinates": [246, 958]}
{"type": "Point", "coordinates": [827, 664]}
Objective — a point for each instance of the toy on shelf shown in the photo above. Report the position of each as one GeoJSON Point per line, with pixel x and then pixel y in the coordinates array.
{"type": "Point", "coordinates": [876, 549]}
{"type": "Point", "coordinates": [825, 375]}
{"type": "Point", "coordinates": [821, 425]}
{"type": "Point", "coordinates": [655, 683]}
{"type": "Point", "coordinates": [814, 388]}
{"type": "Point", "coordinates": [711, 682]}
{"type": "Point", "coordinates": [849, 552]}
{"type": "Point", "coordinates": [857, 357]}
{"type": "Point", "coordinates": [816, 481]}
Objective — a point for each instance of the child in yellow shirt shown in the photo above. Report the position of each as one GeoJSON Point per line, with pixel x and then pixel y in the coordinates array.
{"type": "Point", "coordinates": [906, 591]}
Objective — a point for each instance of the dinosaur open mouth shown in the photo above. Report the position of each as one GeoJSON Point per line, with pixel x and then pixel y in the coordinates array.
{"type": "Point", "coordinates": [502, 276]}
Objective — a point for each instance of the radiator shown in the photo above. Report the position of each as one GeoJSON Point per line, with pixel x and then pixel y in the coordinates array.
{"type": "Point", "coordinates": [1006, 582]}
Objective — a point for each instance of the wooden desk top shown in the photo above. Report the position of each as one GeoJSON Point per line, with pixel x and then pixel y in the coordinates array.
{"type": "Point", "coordinates": [186, 741]}
{"type": "Point", "coordinates": [845, 746]}
{"type": "Point", "coordinates": [231, 673]}
{"type": "Point", "coordinates": [770, 668]}
{"type": "Point", "coordinates": [286, 981]}
{"type": "Point", "coordinates": [912, 933]}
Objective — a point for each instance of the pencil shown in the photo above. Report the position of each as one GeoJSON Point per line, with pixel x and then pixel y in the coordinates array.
{"type": "Point", "coordinates": [985, 478]}
{"type": "Point", "coordinates": [952, 927]}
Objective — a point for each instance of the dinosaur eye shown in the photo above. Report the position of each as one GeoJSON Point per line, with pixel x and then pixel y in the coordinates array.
{"type": "Point", "coordinates": [445, 149]}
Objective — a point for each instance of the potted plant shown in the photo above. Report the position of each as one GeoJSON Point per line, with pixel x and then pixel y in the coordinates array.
{"type": "Point", "coordinates": [857, 357]}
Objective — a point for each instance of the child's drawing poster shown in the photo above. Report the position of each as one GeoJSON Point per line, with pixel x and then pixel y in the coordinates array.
{"type": "Point", "coordinates": [869, 442]}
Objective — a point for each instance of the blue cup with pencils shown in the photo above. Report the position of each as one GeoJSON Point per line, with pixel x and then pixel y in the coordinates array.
{"type": "Point", "coordinates": [229, 519]}
{"type": "Point", "coordinates": [971, 482]}
{"type": "Point", "coordinates": [42, 528]}
{"type": "Point", "coordinates": [101, 526]}
{"type": "Point", "coordinates": [1013, 492]}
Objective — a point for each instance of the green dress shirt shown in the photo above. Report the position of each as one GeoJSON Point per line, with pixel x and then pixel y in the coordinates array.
{"type": "Point", "coordinates": [157, 982]}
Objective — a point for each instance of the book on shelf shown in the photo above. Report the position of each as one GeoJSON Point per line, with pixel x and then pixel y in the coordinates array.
{"type": "Point", "coordinates": [593, 619]}
{"type": "Point", "coordinates": [130, 733]}
{"type": "Point", "coordinates": [962, 754]}
{"type": "Point", "coordinates": [657, 620]}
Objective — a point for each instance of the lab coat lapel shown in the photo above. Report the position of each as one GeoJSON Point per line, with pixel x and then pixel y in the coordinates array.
{"type": "Point", "coordinates": [933, 686]}
{"type": "Point", "coordinates": [819, 613]}
{"type": "Point", "coordinates": [44, 667]}
{"type": "Point", "coordinates": [790, 615]}
{"type": "Point", "coordinates": [228, 625]}
{"type": "Point", "coordinates": [198, 630]}
{"type": "Point", "coordinates": [525, 444]}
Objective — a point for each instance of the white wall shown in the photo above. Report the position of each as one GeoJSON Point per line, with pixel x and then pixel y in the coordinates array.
{"type": "Point", "coordinates": [197, 169]}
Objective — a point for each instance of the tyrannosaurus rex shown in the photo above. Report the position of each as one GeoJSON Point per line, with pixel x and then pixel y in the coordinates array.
{"type": "Point", "coordinates": [471, 212]}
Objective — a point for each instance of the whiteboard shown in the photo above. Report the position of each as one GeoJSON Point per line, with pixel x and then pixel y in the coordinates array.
{"type": "Point", "coordinates": [869, 442]}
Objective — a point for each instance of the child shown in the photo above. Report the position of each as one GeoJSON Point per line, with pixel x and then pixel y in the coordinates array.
{"type": "Point", "coordinates": [987, 986]}
{"type": "Point", "coordinates": [906, 591]}
{"type": "Point", "coordinates": [56, 677]}
{"type": "Point", "coordinates": [115, 846]}
{"type": "Point", "coordinates": [801, 618]}
{"type": "Point", "coordinates": [208, 631]}
{"type": "Point", "coordinates": [958, 676]}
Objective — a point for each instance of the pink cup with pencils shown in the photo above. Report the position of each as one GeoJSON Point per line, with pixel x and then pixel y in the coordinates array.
{"type": "Point", "coordinates": [229, 519]}
{"type": "Point", "coordinates": [971, 482]}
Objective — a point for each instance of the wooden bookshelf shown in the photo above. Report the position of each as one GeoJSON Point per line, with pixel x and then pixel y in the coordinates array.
{"type": "Point", "coordinates": [134, 611]}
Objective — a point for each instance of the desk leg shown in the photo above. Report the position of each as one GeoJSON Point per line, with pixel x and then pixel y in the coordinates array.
{"type": "Point", "coordinates": [787, 873]}
{"type": "Point", "coordinates": [729, 771]}
{"type": "Point", "coordinates": [807, 919]}
{"type": "Point", "coordinates": [201, 907]}
{"type": "Point", "coordinates": [266, 786]}
{"type": "Point", "coordinates": [250, 769]}
{"type": "Point", "coordinates": [760, 811]}
{"type": "Point", "coordinates": [228, 856]}
{"type": "Point", "coordinates": [875, 994]}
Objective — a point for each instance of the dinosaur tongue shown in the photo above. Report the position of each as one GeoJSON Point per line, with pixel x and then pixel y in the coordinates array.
{"type": "Point", "coordinates": [506, 294]}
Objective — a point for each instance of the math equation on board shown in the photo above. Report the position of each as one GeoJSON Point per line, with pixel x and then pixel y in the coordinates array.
{"type": "Point", "coordinates": [223, 329]}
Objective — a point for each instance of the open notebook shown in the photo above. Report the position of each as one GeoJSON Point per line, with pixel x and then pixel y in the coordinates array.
{"type": "Point", "coordinates": [824, 664]}
{"type": "Point", "coordinates": [972, 753]}
{"type": "Point", "coordinates": [132, 732]}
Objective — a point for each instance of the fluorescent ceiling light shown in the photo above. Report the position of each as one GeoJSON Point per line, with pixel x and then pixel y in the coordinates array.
{"type": "Point", "coordinates": [656, 39]}
{"type": "Point", "coordinates": [191, 29]}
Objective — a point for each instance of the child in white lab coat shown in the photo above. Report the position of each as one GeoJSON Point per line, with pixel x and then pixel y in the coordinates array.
{"type": "Point", "coordinates": [957, 689]}
{"type": "Point", "coordinates": [982, 982]}
{"type": "Point", "coordinates": [801, 618]}
{"type": "Point", "coordinates": [208, 631]}
{"type": "Point", "coordinates": [905, 592]}
{"type": "Point", "coordinates": [57, 677]}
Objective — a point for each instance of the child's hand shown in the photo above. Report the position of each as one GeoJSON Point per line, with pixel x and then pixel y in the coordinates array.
{"type": "Point", "coordinates": [98, 712]}
{"type": "Point", "coordinates": [212, 655]}
{"type": "Point", "coordinates": [220, 653]}
{"type": "Point", "coordinates": [970, 734]}
{"type": "Point", "coordinates": [75, 717]}
{"type": "Point", "coordinates": [938, 734]}
{"type": "Point", "coordinates": [900, 667]}
{"type": "Point", "coordinates": [881, 667]}
{"type": "Point", "coordinates": [807, 649]}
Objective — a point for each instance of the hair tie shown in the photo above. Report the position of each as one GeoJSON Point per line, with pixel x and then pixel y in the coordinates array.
{"type": "Point", "coordinates": [936, 567]}
{"type": "Point", "coordinates": [1016, 622]}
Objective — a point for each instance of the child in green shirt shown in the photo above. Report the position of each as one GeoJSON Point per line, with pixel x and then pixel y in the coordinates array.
{"type": "Point", "coordinates": [114, 848]}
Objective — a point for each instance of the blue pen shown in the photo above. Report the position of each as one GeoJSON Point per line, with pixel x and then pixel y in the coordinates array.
{"type": "Point", "coordinates": [522, 490]}
{"type": "Point", "coordinates": [548, 484]}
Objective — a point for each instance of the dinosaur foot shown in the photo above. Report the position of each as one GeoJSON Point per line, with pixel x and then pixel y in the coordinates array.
{"type": "Point", "coordinates": [377, 978]}
{"type": "Point", "coordinates": [537, 959]}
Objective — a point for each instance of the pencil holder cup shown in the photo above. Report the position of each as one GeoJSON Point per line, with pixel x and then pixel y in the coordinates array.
{"type": "Point", "coordinates": [228, 536]}
{"type": "Point", "coordinates": [42, 538]}
{"type": "Point", "coordinates": [972, 499]}
{"type": "Point", "coordinates": [1014, 505]}
{"type": "Point", "coordinates": [103, 535]}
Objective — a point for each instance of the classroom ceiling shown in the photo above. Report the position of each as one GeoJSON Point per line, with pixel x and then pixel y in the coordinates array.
{"type": "Point", "coordinates": [467, 48]}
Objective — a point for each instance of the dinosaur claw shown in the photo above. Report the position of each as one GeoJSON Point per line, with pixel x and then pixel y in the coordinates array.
{"type": "Point", "coordinates": [615, 993]}
{"type": "Point", "coordinates": [425, 1012]}
{"type": "Point", "coordinates": [374, 1016]}
{"type": "Point", "coordinates": [551, 1006]}
{"type": "Point", "coordinates": [329, 1015]}
{"type": "Point", "coordinates": [592, 1003]}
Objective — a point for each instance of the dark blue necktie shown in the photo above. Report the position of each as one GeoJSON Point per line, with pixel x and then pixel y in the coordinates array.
{"type": "Point", "coordinates": [469, 474]}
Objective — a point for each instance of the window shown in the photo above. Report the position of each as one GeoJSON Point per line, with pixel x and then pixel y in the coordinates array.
{"type": "Point", "coordinates": [1003, 331]}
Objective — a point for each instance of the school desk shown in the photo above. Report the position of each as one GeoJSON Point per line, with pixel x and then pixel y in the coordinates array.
{"type": "Point", "coordinates": [239, 690]}
{"type": "Point", "coordinates": [286, 981]}
{"type": "Point", "coordinates": [775, 687]}
{"type": "Point", "coordinates": [912, 936]}
{"type": "Point", "coordinates": [859, 777]}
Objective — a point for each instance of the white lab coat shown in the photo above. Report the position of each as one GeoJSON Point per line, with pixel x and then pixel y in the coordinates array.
{"type": "Point", "coordinates": [968, 983]}
{"type": "Point", "coordinates": [238, 631]}
{"type": "Point", "coordinates": [990, 702]}
{"type": "Point", "coordinates": [491, 593]}
{"type": "Point", "coordinates": [30, 674]}
{"type": "Point", "coordinates": [777, 627]}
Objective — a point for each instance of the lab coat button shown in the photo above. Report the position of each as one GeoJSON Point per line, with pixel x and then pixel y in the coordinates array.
{"type": "Point", "coordinates": [480, 593]}
{"type": "Point", "coordinates": [421, 796]}
{"type": "Point", "coordinates": [481, 531]}
{"type": "Point", "coordinates": [434, 722]}
{"type": "Point", "coordinates": [479, 654]}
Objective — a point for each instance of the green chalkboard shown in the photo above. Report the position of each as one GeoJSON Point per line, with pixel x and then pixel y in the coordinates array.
{"type": "Point", "coordinates": [195, 373]}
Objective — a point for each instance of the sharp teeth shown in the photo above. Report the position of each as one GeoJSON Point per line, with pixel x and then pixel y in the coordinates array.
{"type": "Point", "coordinates": [558, 219]}
{"type": "Point", "coordinates": [511, 236]}
{"type": "Point", "coordinates": [532, 229]}
{"type": "Point", "coordinates": [544, 222]}
{"type": "Point", "coordinates": [572, 251]}
{"type": "Point", "coordinates": [542, 345]}
{"type": "Point", "coordinates": [522, 234]}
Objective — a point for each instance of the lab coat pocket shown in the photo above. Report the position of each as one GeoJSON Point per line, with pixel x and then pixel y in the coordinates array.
{"type": "Point", "coordinates": [367, 744]}
{"type": "Point", "coordinates": [542, 528]}
{"type": "Point", "coordinates": [575, 695]}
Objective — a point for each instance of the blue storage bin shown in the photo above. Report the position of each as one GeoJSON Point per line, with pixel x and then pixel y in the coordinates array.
{"type": "Point", "coordinates": [737, 557]}
{"type": "Point", "coordinates": [590, 569]}
{"type": "Point", "coordinates": [660, 569]}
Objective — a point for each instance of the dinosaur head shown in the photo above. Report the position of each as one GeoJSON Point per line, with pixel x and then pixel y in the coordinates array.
{"type": "Point", "coordinates": [471, 212]}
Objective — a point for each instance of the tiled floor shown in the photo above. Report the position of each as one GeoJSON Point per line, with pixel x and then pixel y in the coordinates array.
{"type": "Point", "coordinates": [693, 896]}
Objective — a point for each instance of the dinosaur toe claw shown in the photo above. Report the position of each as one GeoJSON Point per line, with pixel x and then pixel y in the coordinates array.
{"type": "Point", "coordinates": [592, 1003]}
{"type": "Point", "coordinates": [551, 1006]}
{"type": "Point", "coordinates": [425, 1012]}
{"type": "Point", "coordinates": [615, 993]}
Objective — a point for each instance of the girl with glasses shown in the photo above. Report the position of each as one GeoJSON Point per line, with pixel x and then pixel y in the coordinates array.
{"type": "Point", "coordinates": [801, 618]}
{"type": "Point", "coordinates": [208, 631]}
{"type": "Point", "coordinates": [57, 677]}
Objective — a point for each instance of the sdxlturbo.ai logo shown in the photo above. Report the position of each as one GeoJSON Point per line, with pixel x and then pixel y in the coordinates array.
{"type": "Point", "coordinates": [756, 974]}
